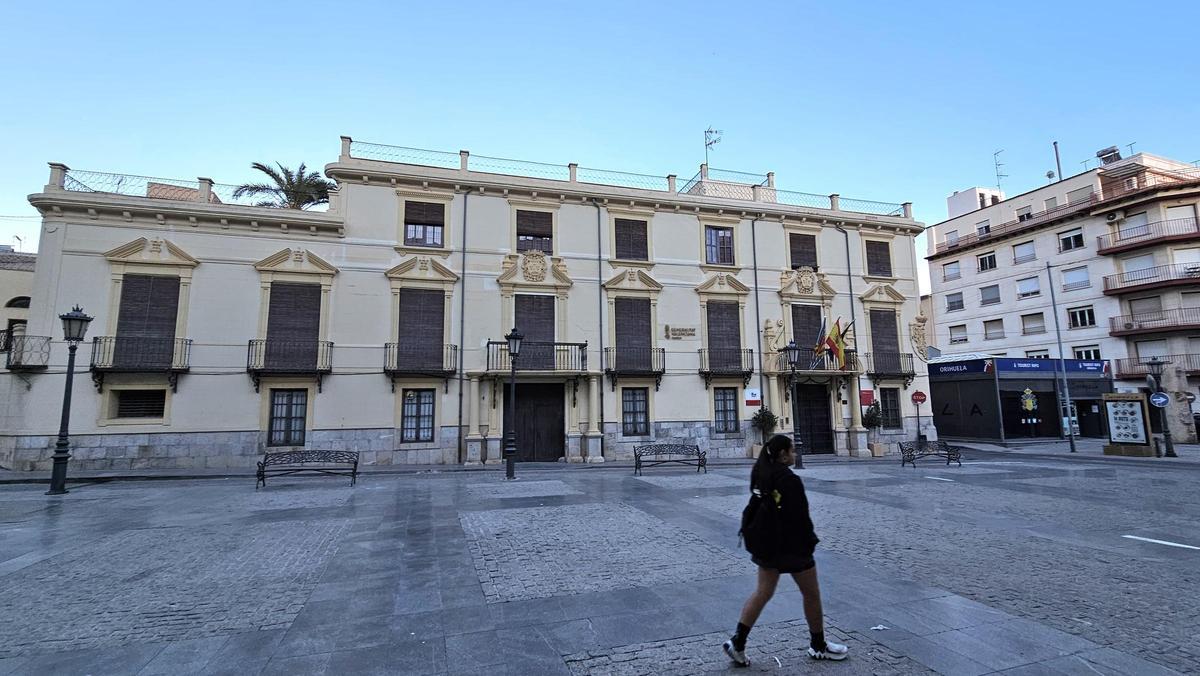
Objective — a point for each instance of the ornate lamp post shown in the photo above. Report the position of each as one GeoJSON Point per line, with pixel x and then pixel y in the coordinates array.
{"type": "Point", "coordinates": [510, 435]}
{"type": "Point", "coordinates": [75, 324]}
{"type": "Point", "coordinates": [792, 354]}
{"type": "Point", "coordinates": [1155, 367]}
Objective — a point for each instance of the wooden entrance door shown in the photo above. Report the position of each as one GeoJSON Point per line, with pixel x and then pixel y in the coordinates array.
{"type": "Point", "coordinates": [816, 426]}
{"type": "Point", "coordinates": [540, 424]}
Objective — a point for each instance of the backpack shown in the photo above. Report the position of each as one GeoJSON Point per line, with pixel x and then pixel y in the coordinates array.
{"type": "Point", "coordinates": [761, 526]}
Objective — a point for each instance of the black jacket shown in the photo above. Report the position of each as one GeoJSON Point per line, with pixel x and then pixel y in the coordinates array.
{"type": "Point", "coordinates": [781, 486]}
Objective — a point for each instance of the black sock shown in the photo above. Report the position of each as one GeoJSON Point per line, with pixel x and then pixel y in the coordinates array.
{"type": "Point", "coordinates": [739, 638]}
{"type": "Point", "coordinates": [818, 641]}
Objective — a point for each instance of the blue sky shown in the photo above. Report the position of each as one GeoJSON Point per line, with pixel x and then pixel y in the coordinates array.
{"type": "Point", "coordinates": [874, 100]}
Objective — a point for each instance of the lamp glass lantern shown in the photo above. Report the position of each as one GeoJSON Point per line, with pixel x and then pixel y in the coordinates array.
{"type": "Point", "coordinates": [75, 324]}
{"type": "Point", "coordinates": [1155, 366]}
{"type": "Point", "coordinates": [792, 354]}
{"type": "Point", "coordinates": [514, 339]}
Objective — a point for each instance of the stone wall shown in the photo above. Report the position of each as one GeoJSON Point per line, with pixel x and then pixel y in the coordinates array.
{"type": "Point", "coordinates": [699, 433]}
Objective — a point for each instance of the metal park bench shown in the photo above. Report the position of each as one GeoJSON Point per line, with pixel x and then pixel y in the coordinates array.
{"type": "Point", "coordinates": [661, 454]}
{"type": "Point", "coordinates": [282, 463]}
{"type": "Point", "coordinates": [910, 451]}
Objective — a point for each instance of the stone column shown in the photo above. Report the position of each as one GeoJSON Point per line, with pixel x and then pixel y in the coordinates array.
{"type": "Point", "coordinates": [857, 434]}
{"type": "Point", "coordinates": [592, 440]}
{"type": "Point", "coordinates": [474, 439]}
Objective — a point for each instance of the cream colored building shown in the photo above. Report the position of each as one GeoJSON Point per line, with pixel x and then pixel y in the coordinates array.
{"type": "Point", "coordinates": [652, 307]}
{"type": "Point", "coordinates": [1123, 249]}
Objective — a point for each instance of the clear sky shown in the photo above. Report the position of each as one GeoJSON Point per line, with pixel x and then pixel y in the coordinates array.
{"type": "Point", "coordinates": [892, 101]}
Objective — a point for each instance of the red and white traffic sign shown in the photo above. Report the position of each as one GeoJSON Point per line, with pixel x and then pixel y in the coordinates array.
{"type": "Point", "coordinates": [918, 397]}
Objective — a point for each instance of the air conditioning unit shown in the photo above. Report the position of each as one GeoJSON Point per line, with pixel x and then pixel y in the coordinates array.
{"type": "Point", "coordinates": [1114, 216]}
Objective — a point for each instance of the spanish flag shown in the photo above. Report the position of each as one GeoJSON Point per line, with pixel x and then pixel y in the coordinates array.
{"type": "Point", "coordinates": [835, 343]}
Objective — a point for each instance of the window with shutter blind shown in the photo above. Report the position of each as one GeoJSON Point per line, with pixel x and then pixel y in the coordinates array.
{"type": "Point", "coordinates": [535, 231]}
{"type": "Point", "coordinates": [424, 223]}
{"type": "Point", "coordinates": [889, 408]}
{"type": "Point", "coordinates": [289, 412]}
{"type": "Point", "coordinates": [725, 409]}
{"type": "Point", "coordinates": [724, 336]}
{"type": "Point", "coordinates": [718, 245]}
{"type": "Point", "coordinates": [885, 341]}
{"type": "Point", "coordinates": [534, 318]}
{"type": "Point", "coordinates": [879, 258]}
{"type": "Point", "coordinates": [146, 321]}
{"type": "Point", "coordinates": [293, 325]}
{"type": "Point", "coordinates": [416, 415]}
{"type": "Point", "coordinates": [806, 324]}
{"type": "Point", "coordinates": [803, 250]}
{"type": "Point", "coordinates": [633, 333]}
{"type": "Point", "coordinates": [635, 411]}
{"type": "Point", "coordinates": [422, 325]}
{"type": "Point", "coordinates": [631, 239]}
{"type": "Point", "coordinates": [139, 404]}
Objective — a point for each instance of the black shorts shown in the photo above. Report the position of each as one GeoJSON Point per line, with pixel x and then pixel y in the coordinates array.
{"type": "Point", "coordinates": [787, 563]}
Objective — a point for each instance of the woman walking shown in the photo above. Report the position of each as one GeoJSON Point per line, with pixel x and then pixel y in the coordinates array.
{"type": "Point", "coordinates": [780, 537]}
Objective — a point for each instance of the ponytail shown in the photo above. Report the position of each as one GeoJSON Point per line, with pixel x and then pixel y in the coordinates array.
{"type": "Point", "coordinates": [768, 461]}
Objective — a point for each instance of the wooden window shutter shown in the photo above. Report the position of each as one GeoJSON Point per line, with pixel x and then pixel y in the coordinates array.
{"type": "Point", "coordinates": [803, 249]}
{"type": "Point", "coordinates": [422, 327]}
{"type": "Point", "coordinates": [535, 223]}
{"type": "Point", "coordinates": [424, 213]}
{"type": "Point", "coordinates": [879, 259]}
{"type": "Point", "coordinates": [885, 338]}
{"type": "Point", "coordinates": [724, 336]}
{"type": "Point", "coordinates": [149, 306]}
{"type": "Point", "coordinates": [534, 317]}
{"type": "Point", "coordinates": [631, 240]}
{"type": "Point", "coordinates": [806, 323]}
{"type": "Point", "coordinates": [295, 312]}
{"type": "Point", "coordinates": [633, 332]}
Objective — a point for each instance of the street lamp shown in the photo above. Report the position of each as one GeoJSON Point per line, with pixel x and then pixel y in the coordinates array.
{"type": "Point", "coordinates": [75, 324]}
{"type": "Point", "coordinates": [510, 435]}
{"type": "Point", "coordinates": [1155, 367]}
{"type": "Point", "coordinates": [792, 354]}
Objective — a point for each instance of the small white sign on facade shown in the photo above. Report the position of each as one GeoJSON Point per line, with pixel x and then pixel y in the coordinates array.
{"type": "Point", "coordinates": [753, 396]}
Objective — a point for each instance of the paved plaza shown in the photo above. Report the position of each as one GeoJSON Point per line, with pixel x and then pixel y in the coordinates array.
{"type": "Point", "coordinates": [1019, 564]}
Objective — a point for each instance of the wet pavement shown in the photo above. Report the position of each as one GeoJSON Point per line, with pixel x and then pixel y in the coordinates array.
{"type": "Point", "coordinates": [1012, 564]}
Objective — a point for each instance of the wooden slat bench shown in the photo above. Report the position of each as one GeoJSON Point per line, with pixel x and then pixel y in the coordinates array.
{"type": "Point", "coordinates": [282, 463]}
{"type": "Point", "coordinates": [911, 450]}
{"type": "Point", "coordinates": [662, 454]}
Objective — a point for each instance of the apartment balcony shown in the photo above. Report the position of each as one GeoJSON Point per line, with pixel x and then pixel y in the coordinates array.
{"type": "Point", "coordinates": [724, 363]}
{"type": "Point", "coordinates": [275, 357]}
{"type": "Point", "coordinates": [1150, 234]}
{"type": "Point", "coordinates": [140, 354]}
{"type": "Point", "coordinates": [1176, 274]}
{"type": "Point", "coordinates": [645, 362]}
{"type": "Point", "coordinates": [1020, 225]}
{"type": "Point", "coordinates": [1132, 367]}
{"type": "Point", "coordinates": [538, 356]}
{"type": "Point", "coordinates": [889, 366]}
{"type": "Point", "coordinates": [25, 353]}
{"type": "Point", "coordinates": [1178, 319]}
{"type": "Point", "coordinates": [823, 363]}
{"type": "Point", "coordinates": [401, 360]}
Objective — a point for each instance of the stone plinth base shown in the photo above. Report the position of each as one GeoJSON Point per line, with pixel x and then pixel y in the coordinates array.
{"type": "Point", "coordinates": [591, 446]}
{"type": "Point", "coordinates": [1129, 450]}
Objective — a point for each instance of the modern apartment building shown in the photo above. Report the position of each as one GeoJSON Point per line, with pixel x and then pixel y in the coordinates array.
{"type": "Point", "coordinates": [649, 306]}
{"type": "Point", "coordinates": [1116, 249]}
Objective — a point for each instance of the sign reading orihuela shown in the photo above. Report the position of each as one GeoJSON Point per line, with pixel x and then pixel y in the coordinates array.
{"type": "Point", "coordinates": [1127, 419]}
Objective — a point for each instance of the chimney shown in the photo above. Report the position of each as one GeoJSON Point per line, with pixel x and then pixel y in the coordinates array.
{"type": "Point", "coordinates": [1108, 155]}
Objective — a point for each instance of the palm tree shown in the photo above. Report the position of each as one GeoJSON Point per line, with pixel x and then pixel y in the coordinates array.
{"type": "Point", "coordinates": [291, 189]}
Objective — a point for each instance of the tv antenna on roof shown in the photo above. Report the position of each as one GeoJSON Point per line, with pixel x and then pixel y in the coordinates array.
{"type": "Point", "coordinates": [998, 163]}
{"type": "Point", "coordinates": [711, 138]}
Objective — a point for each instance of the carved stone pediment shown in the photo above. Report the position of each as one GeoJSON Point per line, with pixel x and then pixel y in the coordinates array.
{"type": "Point", "coordinates": [633, 280]}
{"type": "Point", "coordinates": [883, 292]}
{"type": "Point", "coordinates": [533, 270]}
{"type": "Point", "coordinates": [722, 284]}
{"type": "Point", "coordinates": [296, 261]}
{"type": "Point", "coordinates": [804, 284]}
{"type": "Point", "coordinates": [144, 251]}
{"type": "Point", "coordinates": [425, 269]}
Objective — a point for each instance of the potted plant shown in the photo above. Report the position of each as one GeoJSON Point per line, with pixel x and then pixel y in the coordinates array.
{"type": "Point", "coordinates": [872, 419]}
{"type": "Point", "coordinates": [765, 422]}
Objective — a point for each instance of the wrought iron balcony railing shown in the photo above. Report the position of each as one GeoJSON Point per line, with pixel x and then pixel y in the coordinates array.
{"type": "Point", "coordinates": [27, 352]}
{"type": "Point", "coordinates": [1162, 275]}
{"type": "Point", "coordinates": [1132, 367]}
{"type": "Point", "coordinates": [1147, 322]}
{"type": "Point", "coordinates": [538, 356]}
{"type": "Point", "coordinates": [140, 353]}
{"type": "Point", "coordinates": [420, 360]}
{"type": "Point", "coordinates": [648, 362]}
{"type": "Point", "coordinates": [823, 362]}
{"type": "Point", "coordinates": [289, 357]}
{"type": "Point", "coordinates": [896, 365]}
{"type": "Point", "coordinates": [1019, 225]}
{"type": "Point", "coordinates": [1144, 235]}
{"type": "Point", "coordinates": [723, 362]}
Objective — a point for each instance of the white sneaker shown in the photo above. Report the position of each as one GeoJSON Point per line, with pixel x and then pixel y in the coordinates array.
{"type": "Point", "coordinates": [832, 651]}
{"type": "Point", "coordinates": [738, 656]}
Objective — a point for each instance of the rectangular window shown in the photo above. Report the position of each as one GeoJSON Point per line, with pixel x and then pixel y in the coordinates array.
{"type": "Point", "coordinates": [726, 409]}
{"type": "Point", "coordinates": [293, 326]}
{"type": "Point", "coordinates": [1032, 324]}
{"type": "Point", "coordinates": [987, 261]}
{"type": "Point", "coordinates": [1024, 214]}
{"type": "Point", "coordinates": [534, 317]}
{"type": "Point", "coordinates": [989, 295]}
{"type": "Point", "coordinates": [718, 245]}
{"type": "Point", "coordinates": [1037, 354]}
{"type": "Point", "coordinates": [1150, 348]}
{"type": "Point", "coordinates": [952, 238]}
{"type": "Point", "coordinates": [631, 240]}
{"type": "Point", "coordinates": [958, 334]}
{"type": "Point", "coordinates": [1081, 317]}
{"type": "Point", "coordinates": [993, 329]}
{"type": "Point", "coordinates": [803, 249]}
{"type": "Point", "coordinates": [635, 411]}
{"type": "Point", "coordinates": [1079, 195]}
{"type": "Point", "coordinates": [421, 329]}
{"type": "Point", "coordinates": [140, 403]}
{"type": "Point", "coordinates": [1151, 305]}
{"type": "Point", "coordinates": [954, 301]}
{"type": "Point", "coordinates": [951, 271]}
{"type": "Point", "coordinates": [889, 407]}
{"type": "Point", "coordinates": [288, 411]}
{"type": "Point", "coordinates": [885, 337]}
{"type": "Point", "coordinates": [1088, 352]}
{"type": "Point", "coordinates": [1028, 287]}
{"type": "Point", "coordinates": [633, 334]}
{"type": "Point", "coordinates": [1069, 240]}
{"type": "Point", "coordinates": [1051, 203]}
{"type": "Point", "coordinates": [879, 258]}
{"type": "Point", "coordinates": [1181, 216]}
{"type": "Point", "coordinates": [416, 415]}
{"type": "Point", "coordinates": [1076, 278]}
{"type": "Point", "coordinates": [983, 227]}
{"type": "Point", "coordinates": [146, 322]}
{"type": "Point", "coordinates": [424, 223]}
{"type": "Point", "coordinates": [535, 231]}
{"type": "Point", "coordinates": [724, 336]}
{"type": "Point", "coordinates": [1134, 226]}
{"type": "Point", "coordinates": [1023, 253]}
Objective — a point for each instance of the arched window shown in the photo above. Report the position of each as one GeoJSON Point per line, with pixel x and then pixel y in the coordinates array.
{"type": "Point", "coordinates": [19, 301]}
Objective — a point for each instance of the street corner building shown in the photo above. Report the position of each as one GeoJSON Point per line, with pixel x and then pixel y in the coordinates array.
{"type": "Point", "coordinates": [1109, 259]}
{"type": "Point", "coordinates": [654, 309]}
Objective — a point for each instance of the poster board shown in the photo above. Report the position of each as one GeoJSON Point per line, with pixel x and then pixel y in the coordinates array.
{"type": "Point", "coordinates": [1128, 419]}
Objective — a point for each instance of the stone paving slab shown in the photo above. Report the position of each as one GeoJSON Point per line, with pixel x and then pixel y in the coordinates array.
{"type": "Point", "coordinates": [520, 489]}
{"type": "Point", "coordinates": [693, 481]}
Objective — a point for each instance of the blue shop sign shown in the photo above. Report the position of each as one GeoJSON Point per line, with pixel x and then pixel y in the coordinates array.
{"type": "Point", "coordinates": [1049, 366]}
